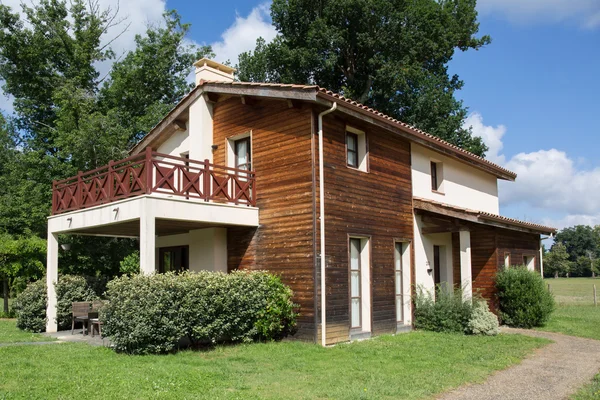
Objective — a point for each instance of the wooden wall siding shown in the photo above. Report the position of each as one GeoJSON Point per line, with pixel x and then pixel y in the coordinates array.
{"type": "Point", "coordinates": [281, 157]}
{"type": "Point", "coordinates": [377, 204]}
{"type": "Point", "coordinates": [483, 263]}
{"type": "Point", "coordinates": [518, 244]}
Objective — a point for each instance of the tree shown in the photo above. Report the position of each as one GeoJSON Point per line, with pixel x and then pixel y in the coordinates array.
{"type": "Point", "coordinates": [391, 55]}
{"type": "Point", "coordinates": [69, 118]}
{"type": "Point", "coordinates": [556, 261]}
{"type": "Point", "coordinates": [580, 241]}
{"type": "Point", "coordinates": [20, 257]}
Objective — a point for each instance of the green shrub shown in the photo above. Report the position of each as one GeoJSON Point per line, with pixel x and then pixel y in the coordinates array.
{"type": "Point", "coordinates": [131, 264]}
{"type": "Point", "coordinates": [482, 321]}
{"type": "Point", "coordinates": [523, 298]}
{"type": "Point", "coordinates": [447, 313]}
{"type": "Point", "coordinates": [30, 307]}
{"type": "Point", "coordinates": [150, 314]}
{"type": "Point", "coordinates": [70, 288]}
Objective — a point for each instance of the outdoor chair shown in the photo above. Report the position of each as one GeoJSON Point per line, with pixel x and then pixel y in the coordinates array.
{"type": "Point", "coordinates": [80, 313]}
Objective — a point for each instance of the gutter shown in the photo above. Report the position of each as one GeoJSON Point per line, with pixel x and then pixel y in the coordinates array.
{"type": "Point", "coordinates": [322, 223]}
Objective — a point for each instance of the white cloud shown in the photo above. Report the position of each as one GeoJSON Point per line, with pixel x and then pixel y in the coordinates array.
{"type": "Point", "coordinates": [548, 181]}
{"type": "Point", "coordinates": [242, 34]}
{"type": "Point", "coordinates": [583, 12]}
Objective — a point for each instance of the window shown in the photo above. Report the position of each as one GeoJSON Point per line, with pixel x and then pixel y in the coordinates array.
{"type": "Point", "coordinates": [355, 286]}
{"type": "Point", "coordinates": [243, 158]}
{"type": "Point", "coordinates": [436, 266]}
{"type": "Point", "coordinates": [398, 270]}
{"type": "Point", "coordinates": [360, 287]}
{"type": "Point", "coordinates": [352, 149]}
{"type": "Point", "coordinates": [437, 176]}
{"type": "Point", "coordinates": [506, 260]}
{"type": "Point", "coordinates": [529, 262]}
{"type": "Point", "coordinates": [356, 149]}
{"type": "Point", "coordinates": [173, 259]}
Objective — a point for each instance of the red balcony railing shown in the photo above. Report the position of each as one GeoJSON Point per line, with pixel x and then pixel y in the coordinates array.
{"type": "Point", "coordinates": [152, 172]}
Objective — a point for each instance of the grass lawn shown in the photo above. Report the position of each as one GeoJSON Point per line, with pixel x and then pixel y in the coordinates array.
{"type": "Point", "coordinates": [575, 314]}
{"type": "Point", "coordinates": [408, 366]}
{"type": "Point", "coordinates": [10, 334]}
{"type": "Point", "coordinates": [589, 392]}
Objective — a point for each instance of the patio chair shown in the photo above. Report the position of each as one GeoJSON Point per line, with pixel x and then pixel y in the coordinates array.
{"type": "Point", "coordinates": [80, 313]}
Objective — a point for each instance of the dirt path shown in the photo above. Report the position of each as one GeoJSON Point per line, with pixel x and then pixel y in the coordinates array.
{"type": "Point", "coordinates": [552, 372]}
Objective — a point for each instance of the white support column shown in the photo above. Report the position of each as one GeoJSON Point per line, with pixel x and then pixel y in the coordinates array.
{"type": "Point", "coordinates": [147, 242]}
{"type": "Point", "coordinates": [465, 264]}
{"type": "Point", "coordinates": [51, 278]}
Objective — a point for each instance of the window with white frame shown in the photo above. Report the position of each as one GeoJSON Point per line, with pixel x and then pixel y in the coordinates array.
{"type": "Point", "coordinates": [239, 151]}
{"type": "Point", "coordinates": [506, 260]}
{"type": "Point", "coordinates": [437, 176]}
{"type": "Point", "coordinates": [356, 149]}
{"type": "Point", "coordinates": [360, 291]}
{"type": "Point", "coordinates": [529, 262]}
{"type": "Point", "coordinates": [399, 278]}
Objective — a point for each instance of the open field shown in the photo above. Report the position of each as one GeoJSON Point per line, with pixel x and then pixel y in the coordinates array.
{"type": "Point", "coordinates": [408, 366]}
{"type": "Point", "coordinates": [576, 314]}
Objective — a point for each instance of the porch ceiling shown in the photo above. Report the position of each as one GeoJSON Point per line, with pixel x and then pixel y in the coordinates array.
{"type": "Point", "coordinates": [164, 227]}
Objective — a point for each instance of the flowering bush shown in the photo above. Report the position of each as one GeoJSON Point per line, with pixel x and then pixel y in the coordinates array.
{"type": "Point", "coordinates": [482, 321]}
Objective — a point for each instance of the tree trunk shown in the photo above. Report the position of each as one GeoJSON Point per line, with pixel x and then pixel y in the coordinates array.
{"type": "Point", "coordinates": [5, 294]}
{"type": "Point", "coordinates": [555, 274]}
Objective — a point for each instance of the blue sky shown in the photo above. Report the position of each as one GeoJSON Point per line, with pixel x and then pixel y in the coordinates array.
{"type": "Point", "coordinates": [533, 93]}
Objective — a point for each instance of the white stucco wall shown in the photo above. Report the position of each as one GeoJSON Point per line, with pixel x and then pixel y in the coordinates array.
{"type": "Point", "coordinates": [208, 248]}
{"type": "Point", "coordinates": [462, 186]}
{"type": "Point", "coordinates": [176, 145]}
{"type": "Point", "coordinates": [424, 256]}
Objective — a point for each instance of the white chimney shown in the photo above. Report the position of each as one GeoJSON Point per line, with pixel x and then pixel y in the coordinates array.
{"type": "Point", "coordinates": [209, 70]}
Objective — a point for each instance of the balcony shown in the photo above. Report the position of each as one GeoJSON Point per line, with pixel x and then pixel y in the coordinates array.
{"type": "Point", "coordinates": [153, 173]}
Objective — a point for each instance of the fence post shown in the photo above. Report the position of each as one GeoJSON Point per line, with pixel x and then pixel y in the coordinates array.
{"type": "Point", "coordinates": [207, 191]}
{"type": "Point", "coordinates": [79, 197]}
{"type": "Point", "coordinates": [595, 300]}
{"type": "Point", "coordinates": [54, 199]}
{"type": "Point", "coordinates": [148, 170]}
{"type": "Point", "coordinates": [109, 180]}
{"type": "Point", "coordinates": [549, 288]}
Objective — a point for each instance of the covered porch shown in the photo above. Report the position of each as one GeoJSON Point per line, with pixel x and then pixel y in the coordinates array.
{"type": "Point", "coordinates": [179, 209]}
{"type": "Point", "coordinates": [465, 248]}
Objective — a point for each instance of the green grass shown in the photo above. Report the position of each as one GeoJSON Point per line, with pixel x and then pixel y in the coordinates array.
{"type": "Point", "coordinates": [590, 391]}
{"type": "Point", "coordinates": [408, 366]}
{"type": "Point", "coordinates": [576, 314]}
{"type": "Point", "coordinates": [10, 334]}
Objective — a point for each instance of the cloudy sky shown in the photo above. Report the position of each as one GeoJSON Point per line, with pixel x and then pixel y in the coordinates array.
{"type": "Point", "coordinates": [533, 93]}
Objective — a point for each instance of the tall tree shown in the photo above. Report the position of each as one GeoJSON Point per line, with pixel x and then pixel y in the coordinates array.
{"type": "Point", "coordinates": [391, 55]}
{"type": "Point", "coordinates": [556, 261]}
{"type": "Point", "coordinates": [578, 240]}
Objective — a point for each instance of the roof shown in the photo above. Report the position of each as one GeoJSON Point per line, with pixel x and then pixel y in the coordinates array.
{"type": "Point", "coordinates": [481, 216]}
{"type": "Point", "coordinates": [316, 94]}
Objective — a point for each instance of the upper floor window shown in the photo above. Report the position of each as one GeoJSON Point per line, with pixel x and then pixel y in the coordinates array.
{"type": "Point", "coordinates": [242, 153]}
{"type": "Point", "coordinates": [356, 149]}
{"type": "Point", "coordinates": [436, 176]}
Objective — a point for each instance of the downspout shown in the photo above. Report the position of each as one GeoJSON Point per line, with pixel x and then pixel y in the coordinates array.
{"type": "Point", "coordinates": [322, 223]}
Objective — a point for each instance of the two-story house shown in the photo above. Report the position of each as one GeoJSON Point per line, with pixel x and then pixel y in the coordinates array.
{"type": "Point", "coordinates": [352, 208]}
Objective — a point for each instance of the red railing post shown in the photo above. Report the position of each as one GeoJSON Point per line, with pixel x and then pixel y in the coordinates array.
{"type": "Point", "coordinates": [252, 189]}
{"type": "Point", "coordinates": [110, 181]}
{"type": "Point", "coordinates": [148, 170]}
{"type": "Point", "coordinates": [54, 202]}
{"type": "Point", "coordinates": [79, 197]}
{"type": "Point", "coordinates": [206, 190]}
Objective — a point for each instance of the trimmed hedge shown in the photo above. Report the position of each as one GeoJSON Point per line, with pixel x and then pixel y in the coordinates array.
{"type": "Point", "coordinates": [30, 305]}
{"type": "Point", "coordinates": [524, 300]}
{"type": "Point", "coordinates": [446, 313]}
{"type": "Point", "coordinates": [151, 314]}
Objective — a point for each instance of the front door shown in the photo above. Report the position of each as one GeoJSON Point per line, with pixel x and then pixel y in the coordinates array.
{"type": "Point", "coordinates": [173, 259]}
{"type": "Point", "coordinates": [436, 265]}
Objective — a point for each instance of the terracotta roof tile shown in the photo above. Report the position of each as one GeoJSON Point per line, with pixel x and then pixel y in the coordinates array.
{"type": "Point", "coordinates": [486, 215]}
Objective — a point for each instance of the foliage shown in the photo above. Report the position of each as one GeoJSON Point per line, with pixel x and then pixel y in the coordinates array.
{"type": "Point", "coordinates": [448, 312]}
{"type": "Point", "coordinates": [69, 118]}
{"type": "Point", "coordinates": [388, 54]}
{"type": "Point", "coordinates": [30, 307]}
{"type": "Point", "coordinates": [70, 288]}
{"type": "Point", "coordinates": [150, 314]}
{"type": "Point", "coordinates": [590, 391]}
{"type": "Point", "coordinates": [131, 264]}
{"type": "Point", "coordinates": [483, 321]}
{"type": "Point", "coordinates": [524, 300]}
{"type": "Point", "coordinates": [556, 261]}
{"type": "Point", "coordinates": [579, 240]}
{"type": "Point", "coordinates": [433, 363]}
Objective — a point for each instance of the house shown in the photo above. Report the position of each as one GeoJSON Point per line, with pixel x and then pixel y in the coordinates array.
{"type": "Point", "coordinates": [300, 181]}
